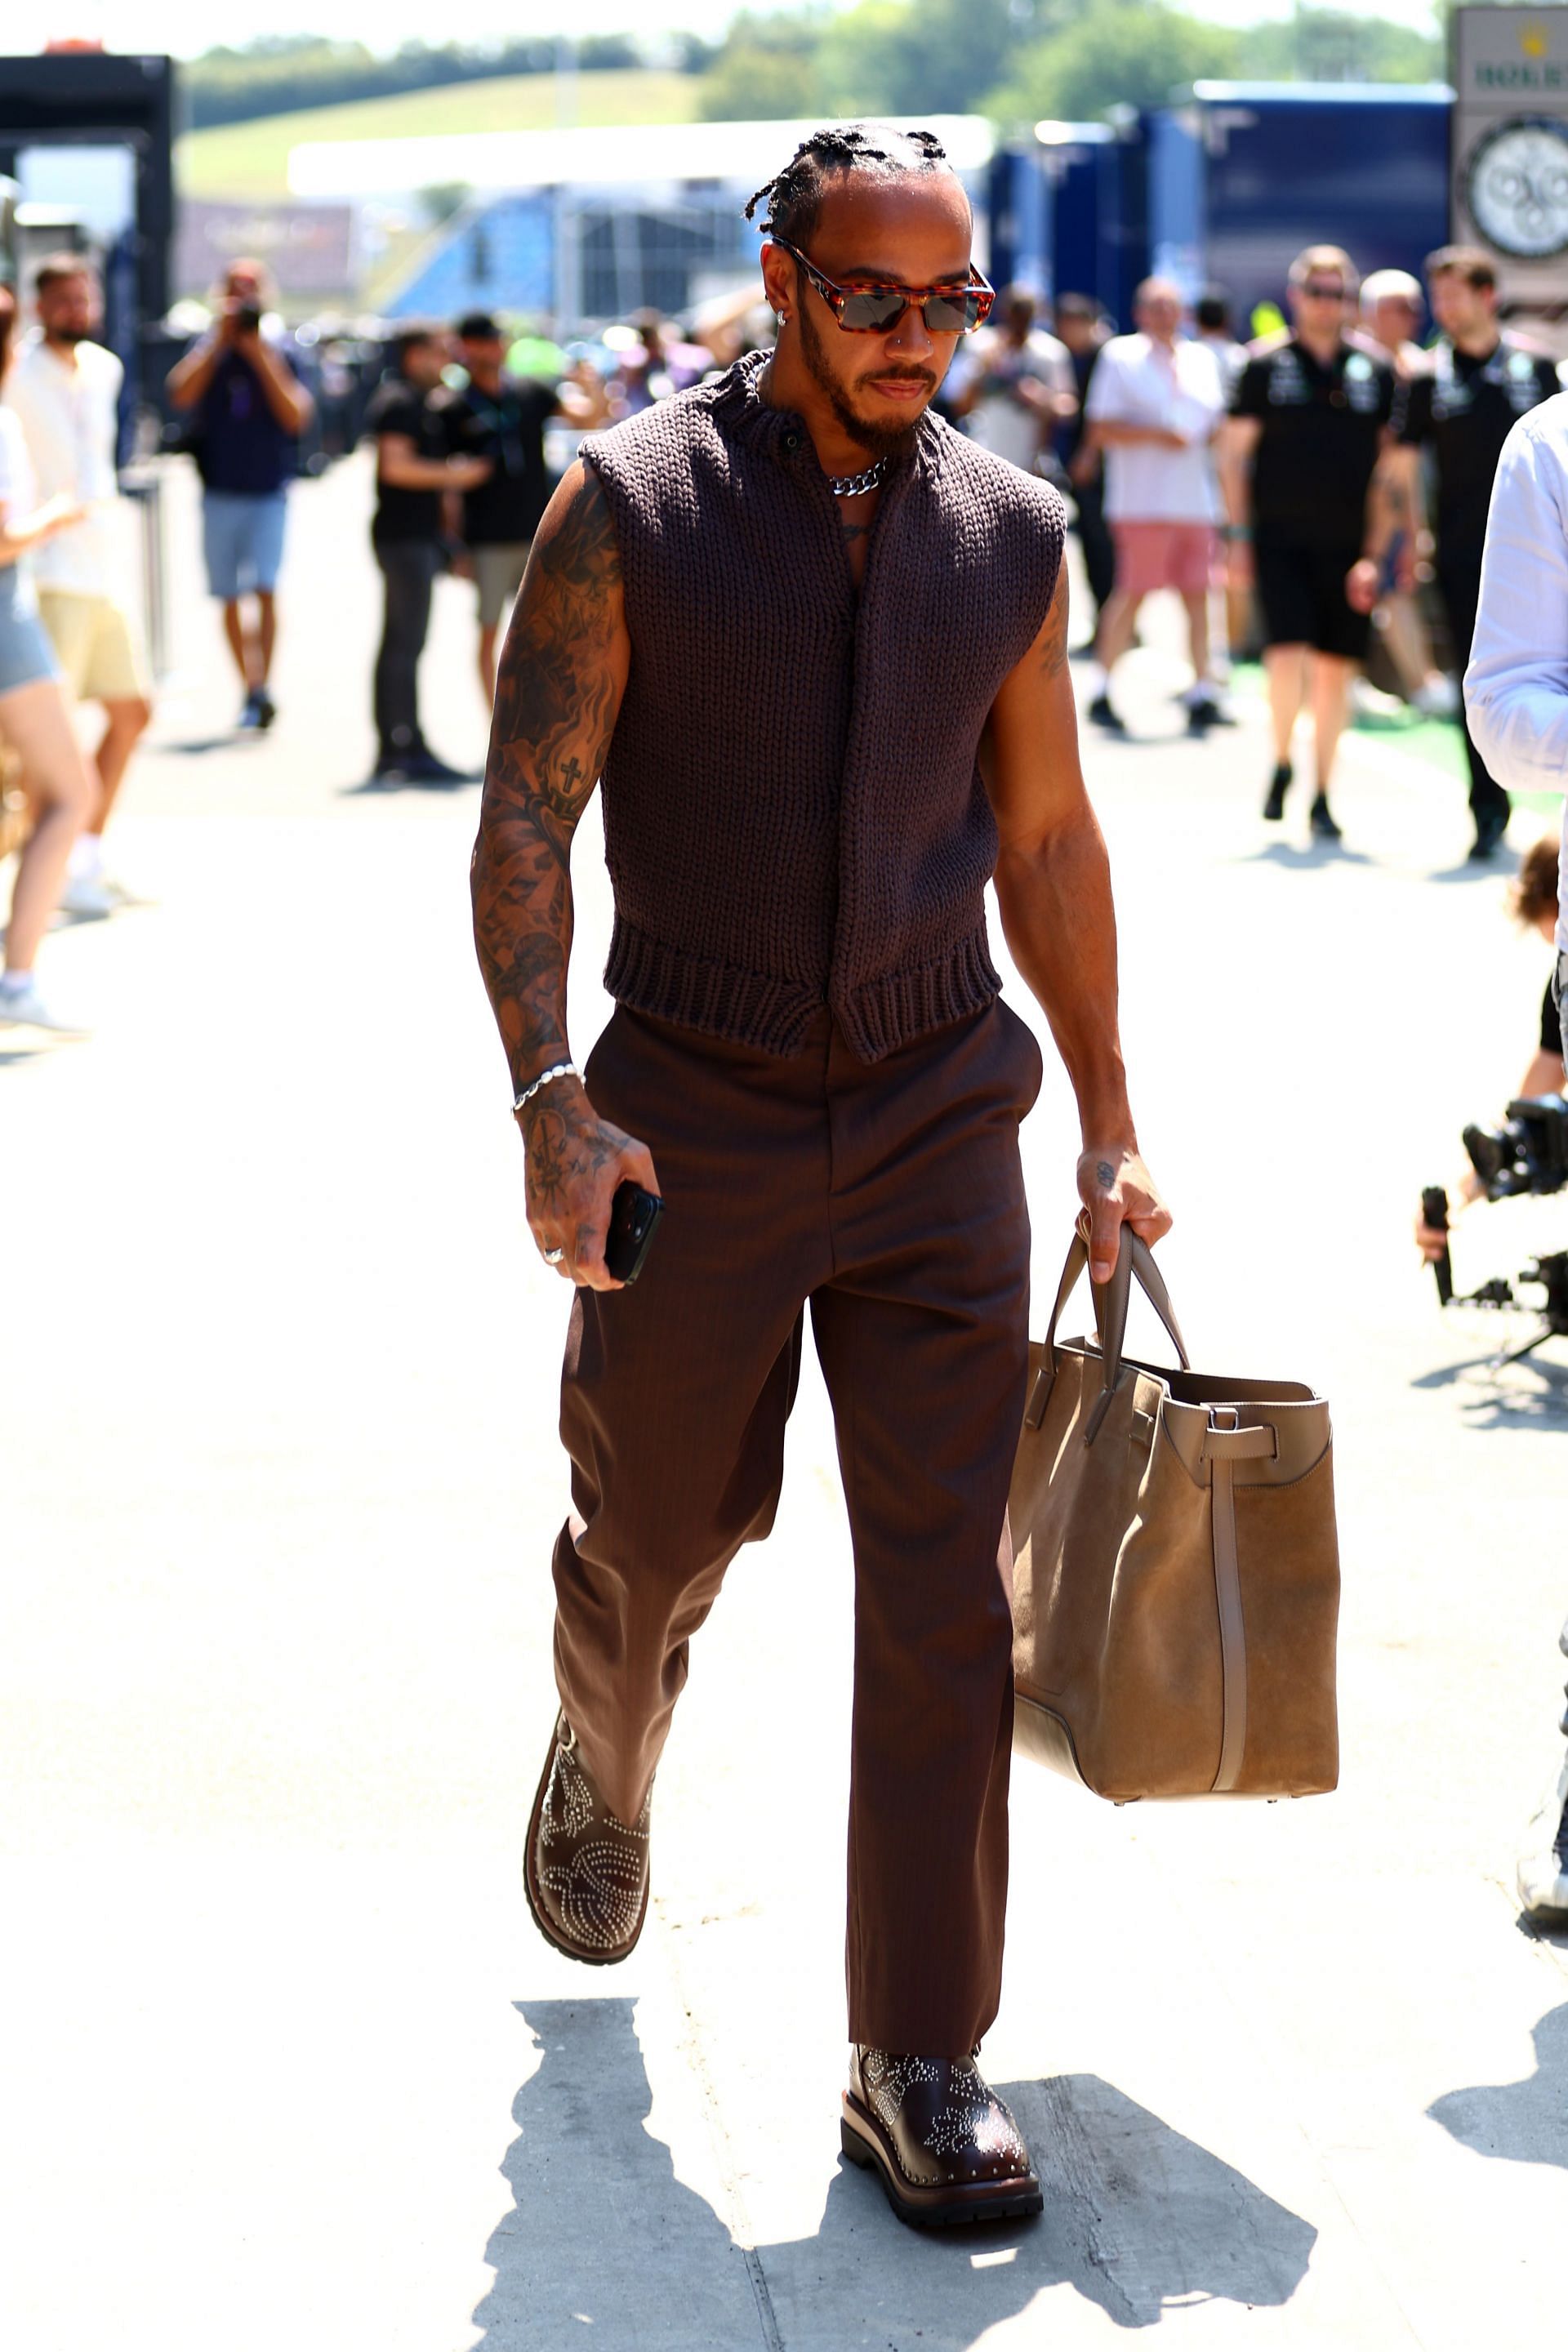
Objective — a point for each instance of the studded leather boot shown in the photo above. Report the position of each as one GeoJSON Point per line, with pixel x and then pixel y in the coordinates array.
{"type": "Point", "coordinates": [944, 2147]}
{"type": "Point", "coordinates": [584, 1873]}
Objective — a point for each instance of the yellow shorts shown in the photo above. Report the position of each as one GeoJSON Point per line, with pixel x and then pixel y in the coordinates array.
{"type": "Point", "coordinates": [99, 648]}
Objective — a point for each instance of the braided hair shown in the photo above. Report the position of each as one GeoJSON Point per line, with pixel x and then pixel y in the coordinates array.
{"type": "Point", "coordinates": [793, 199]}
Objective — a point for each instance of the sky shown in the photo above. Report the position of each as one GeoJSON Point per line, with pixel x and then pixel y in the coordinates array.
{"type": "Point", "coordinates": [184, 28]}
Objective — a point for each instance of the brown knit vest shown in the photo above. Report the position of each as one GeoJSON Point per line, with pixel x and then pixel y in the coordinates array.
{"type": "Point", "coordinates": [794, 814]}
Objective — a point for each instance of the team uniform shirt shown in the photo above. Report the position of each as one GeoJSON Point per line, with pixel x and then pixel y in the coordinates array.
{"type": "Point", "coordinates": [71, 418]}
{"type": "Point", "coordinates": [508, 427]}
{"type": "Point", "coordinates": [1138, 382]}
{"type": "Point", "coordinates": [1463, 409]}
{"type": "Point", "coordinates": [1000, 421]}
{"type": "Point", "coordinates": [241, 448]}
{"type": "Point", "coordinates": [398, 407]}
{"type": "Point", "coordinates": [1322, 433]}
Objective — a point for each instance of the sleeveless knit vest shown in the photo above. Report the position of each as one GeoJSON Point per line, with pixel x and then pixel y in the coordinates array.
{"type": "Point", "coordinates": [794, 815]}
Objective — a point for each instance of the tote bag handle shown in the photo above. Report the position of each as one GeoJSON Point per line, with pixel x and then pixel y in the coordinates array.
{"type": "Point", "coordinates": [1111, 1300]}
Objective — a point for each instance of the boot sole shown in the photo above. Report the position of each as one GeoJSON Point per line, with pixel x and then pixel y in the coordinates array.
{"type": "Point", "coordinates": [861, 2138]}
{"type": "Point", "coordinates": [540, 1915]}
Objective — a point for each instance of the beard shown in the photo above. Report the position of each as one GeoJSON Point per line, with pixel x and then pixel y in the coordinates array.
{"type": "Point", "coordinates": [878, 441]}
{"type": "Point", "coordinates": [72, 335]}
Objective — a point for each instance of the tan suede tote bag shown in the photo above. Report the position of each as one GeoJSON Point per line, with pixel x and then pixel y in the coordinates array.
{"type": "Point", "coordinates": [1176, 1572]}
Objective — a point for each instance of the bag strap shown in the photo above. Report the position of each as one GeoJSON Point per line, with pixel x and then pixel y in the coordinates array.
{"type": "Point", "coordinates": [1111, 1300]}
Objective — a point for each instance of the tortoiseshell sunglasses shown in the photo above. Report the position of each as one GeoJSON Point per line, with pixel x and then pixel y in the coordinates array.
{"type": "Point", "coordinates": [877, 309]}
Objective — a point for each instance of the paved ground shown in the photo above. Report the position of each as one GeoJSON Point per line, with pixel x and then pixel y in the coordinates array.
{"type": "Point", "coordinates": [285, 2064]}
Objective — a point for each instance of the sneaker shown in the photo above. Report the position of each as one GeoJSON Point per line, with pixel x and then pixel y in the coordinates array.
{"type": "Point", "coordinates": [1436, 698]}
{"type": "Point", "coordinates": [1203, 712]}
{"type": "Point", "coordinates": [266, 708]}
{"type": "Point", "coordinates": [1490, 831]}
{"type": "Point", "coordinates": [1542, 1877]}
{"type": "Point", "coordinates": [425, 768]}
{"type": "Point", "coordinates": [89, 897]}
{"type": "Point", "coordinates": [250, 719]}
{"type": "Point", "coordinates": [1322, 821]}
{"type": "Point", "coordinates": [1100, 711]}
{"type": "Point", "coordinates": [24, 1008]}
{"type": "Point", "coordinates": [1274, 806]}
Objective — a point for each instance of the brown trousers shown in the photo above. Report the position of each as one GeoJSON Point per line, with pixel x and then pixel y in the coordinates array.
{"type": "Point", "coordinates": [890, 1195]}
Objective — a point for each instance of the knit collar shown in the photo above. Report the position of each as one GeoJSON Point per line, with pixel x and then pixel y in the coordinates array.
{"type": "Point", "coordinates": [739, 410]}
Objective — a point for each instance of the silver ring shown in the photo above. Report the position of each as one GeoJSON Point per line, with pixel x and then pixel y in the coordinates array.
{"type": "Point", "coordinates": [554, 1257]}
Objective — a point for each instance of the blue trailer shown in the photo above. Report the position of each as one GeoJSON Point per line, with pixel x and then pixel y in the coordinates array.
{"type": "Point", "coordinates": [1243, 175]}
{"type": "Point", "coordinates": [1225, 187]}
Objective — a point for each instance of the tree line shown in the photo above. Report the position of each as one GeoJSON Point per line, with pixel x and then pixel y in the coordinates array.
{"type": "Point", "coordinates": [1016, 60]}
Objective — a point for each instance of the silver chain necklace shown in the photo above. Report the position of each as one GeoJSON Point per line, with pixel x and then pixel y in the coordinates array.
{"type": "Point", "coordinates": [854, 486]}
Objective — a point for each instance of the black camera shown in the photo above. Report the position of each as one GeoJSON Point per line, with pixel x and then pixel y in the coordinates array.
{"type": "Point", "coordinates": [1528, 1153]}
{"type": "Point", "coordinates": [248, 319]}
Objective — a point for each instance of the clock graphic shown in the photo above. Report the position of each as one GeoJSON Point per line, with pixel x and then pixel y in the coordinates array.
{"type": "Point", "coordinates": [1516, 186]}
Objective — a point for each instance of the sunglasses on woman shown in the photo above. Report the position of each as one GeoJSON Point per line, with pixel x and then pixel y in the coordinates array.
{"type": "Point", "coordinates": [877, 309]}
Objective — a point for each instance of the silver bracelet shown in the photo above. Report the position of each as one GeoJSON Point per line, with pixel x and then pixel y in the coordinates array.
{"type": "Point", "coordinates": [559, 1070]}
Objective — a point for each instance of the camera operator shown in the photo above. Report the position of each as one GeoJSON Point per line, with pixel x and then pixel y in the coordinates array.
{"type": "Point", "coordinates": [248, 410]}
{"type": "Point", "coordinates": [1532, 902]}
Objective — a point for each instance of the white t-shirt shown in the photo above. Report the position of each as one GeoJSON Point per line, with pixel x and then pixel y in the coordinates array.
{"type": "Point", "coordinates": [1516, 688]}
{"type": "Point", "coordinates": [18, 496]}
{"type": "Point", "coordinates": [1000, 421]}
{"type": "Point", "coordinates": [69, 416]}
{"type": "Point", "coordinates": [1137, 382]}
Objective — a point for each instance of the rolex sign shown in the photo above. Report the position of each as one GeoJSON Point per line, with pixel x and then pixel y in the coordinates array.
{"type": "Point", "coordinates": [1511, 146]}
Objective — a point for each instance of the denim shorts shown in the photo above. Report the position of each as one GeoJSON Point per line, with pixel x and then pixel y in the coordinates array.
{"type": "Point", "coordinates": [242, 538]}
{"type": "Point", "coordinates": [26, 653]}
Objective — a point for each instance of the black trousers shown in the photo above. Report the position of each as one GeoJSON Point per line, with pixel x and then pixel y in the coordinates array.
{"type": "Point", "coordinates": [1094, 538]}
{"type": "Point", "coordinates": [408, 568]}
{"type": "Point", "coordinates": [890, 1197]}
{"type": "Point", "coordinates": [1459, 582]}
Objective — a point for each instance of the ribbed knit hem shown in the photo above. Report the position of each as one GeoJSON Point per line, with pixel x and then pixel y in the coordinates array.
{"type": "Point", "coordinates": [721, 1000]}
{"type": "Point", "coordinates": [880, 1015]}
{"type": "Point", "coordinates": [747, 1008]}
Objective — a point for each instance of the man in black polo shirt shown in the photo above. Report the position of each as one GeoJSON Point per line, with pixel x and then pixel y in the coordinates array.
{"type": "Point", "coordinates": [1480, 382]}
{"type": "Point", "coordinates": [1308, 422]}
{"type": "Point", "coordinates": [414, 469]}
{"type": "Point", "coordinates": [503, 419]}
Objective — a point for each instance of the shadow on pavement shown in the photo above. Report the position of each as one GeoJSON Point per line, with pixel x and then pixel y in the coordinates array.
{"type": "Point", "coordinates": [1529, 1395]}
{"type": "Point", "coordinates": [601, 2236]}
{"type": "Point", "coordinates": [1527, 2123]}
{"type": "Point", "coordinates": [373, 787]}
{"type": "Point", "coordinates": [1305, 858]}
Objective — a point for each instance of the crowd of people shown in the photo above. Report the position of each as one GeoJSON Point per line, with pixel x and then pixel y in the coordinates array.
{"type": "Point", "coordinates": [1293, 492]}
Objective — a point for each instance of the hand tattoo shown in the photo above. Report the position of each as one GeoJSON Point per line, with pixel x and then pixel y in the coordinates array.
{"type": "Point", "coordinates": [1105, 1174]}
{"type": "Point", "coordinates": [562, 673]}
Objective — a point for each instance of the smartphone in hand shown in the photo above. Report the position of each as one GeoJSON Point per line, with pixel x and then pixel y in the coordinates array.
{"type": "Point", "coordinates": [633, 1220]}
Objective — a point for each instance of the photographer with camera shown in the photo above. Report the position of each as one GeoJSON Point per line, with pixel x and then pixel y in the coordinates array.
{"type": "Point", "coordinates": [248, 409]}
{"type": "Point", "coordinates": [1532, 902]}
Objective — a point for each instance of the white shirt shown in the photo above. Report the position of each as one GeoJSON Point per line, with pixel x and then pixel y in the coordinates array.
{"type": "Point", "coordinates": [70, 418]}
{"type": "Point", "coordinates": [1138, 382]}
{"type": "Point", "coordinates": [18, 496]}
{"type": "Point", "coordinates": [1516, 688]}
{"type": "Point", "coordinates": [1001, 422]}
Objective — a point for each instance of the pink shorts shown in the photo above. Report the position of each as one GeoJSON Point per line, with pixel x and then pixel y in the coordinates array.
{"type": "Point", "coordinates": [1151, 555]}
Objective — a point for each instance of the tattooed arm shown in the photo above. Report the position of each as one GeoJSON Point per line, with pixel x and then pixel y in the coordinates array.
{"type": "Point", "coordinates": [1053, 886]}
{"type": "Point", "coordinates": [563, 674]}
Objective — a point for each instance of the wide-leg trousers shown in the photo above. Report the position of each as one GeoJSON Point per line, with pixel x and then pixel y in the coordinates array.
{"type": "Point", "coordinates": [889, 1197]}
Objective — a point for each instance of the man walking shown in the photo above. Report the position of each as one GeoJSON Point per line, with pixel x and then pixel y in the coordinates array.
{"type": "Point", "coordinates": [1479, 384]}
{"type": "Point", "coordinates": [1156, 404]}
{"type": "Point", "coordinates": [815, 644]}
{"type": "Point", "coordinates": [414, 471]}
{"type": "Point", "coordinates": [502, 419]}
{"type": "Point", "coordinates": [65, 388]}
{"type": "Point", "coordinates": [250, 410]}
{"type": "Point", "coordinates": [1084, 334]}
{"type": "Point", "coordinates": [1308, 420]}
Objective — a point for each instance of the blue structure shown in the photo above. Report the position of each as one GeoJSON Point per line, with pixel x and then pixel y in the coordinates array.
{"type": "Point", "coordinates": [1246, 174]}
{"type": "Point", "coordinates": [499, 255]}
{"type": "Point", "coordinates": [1226, 187]}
